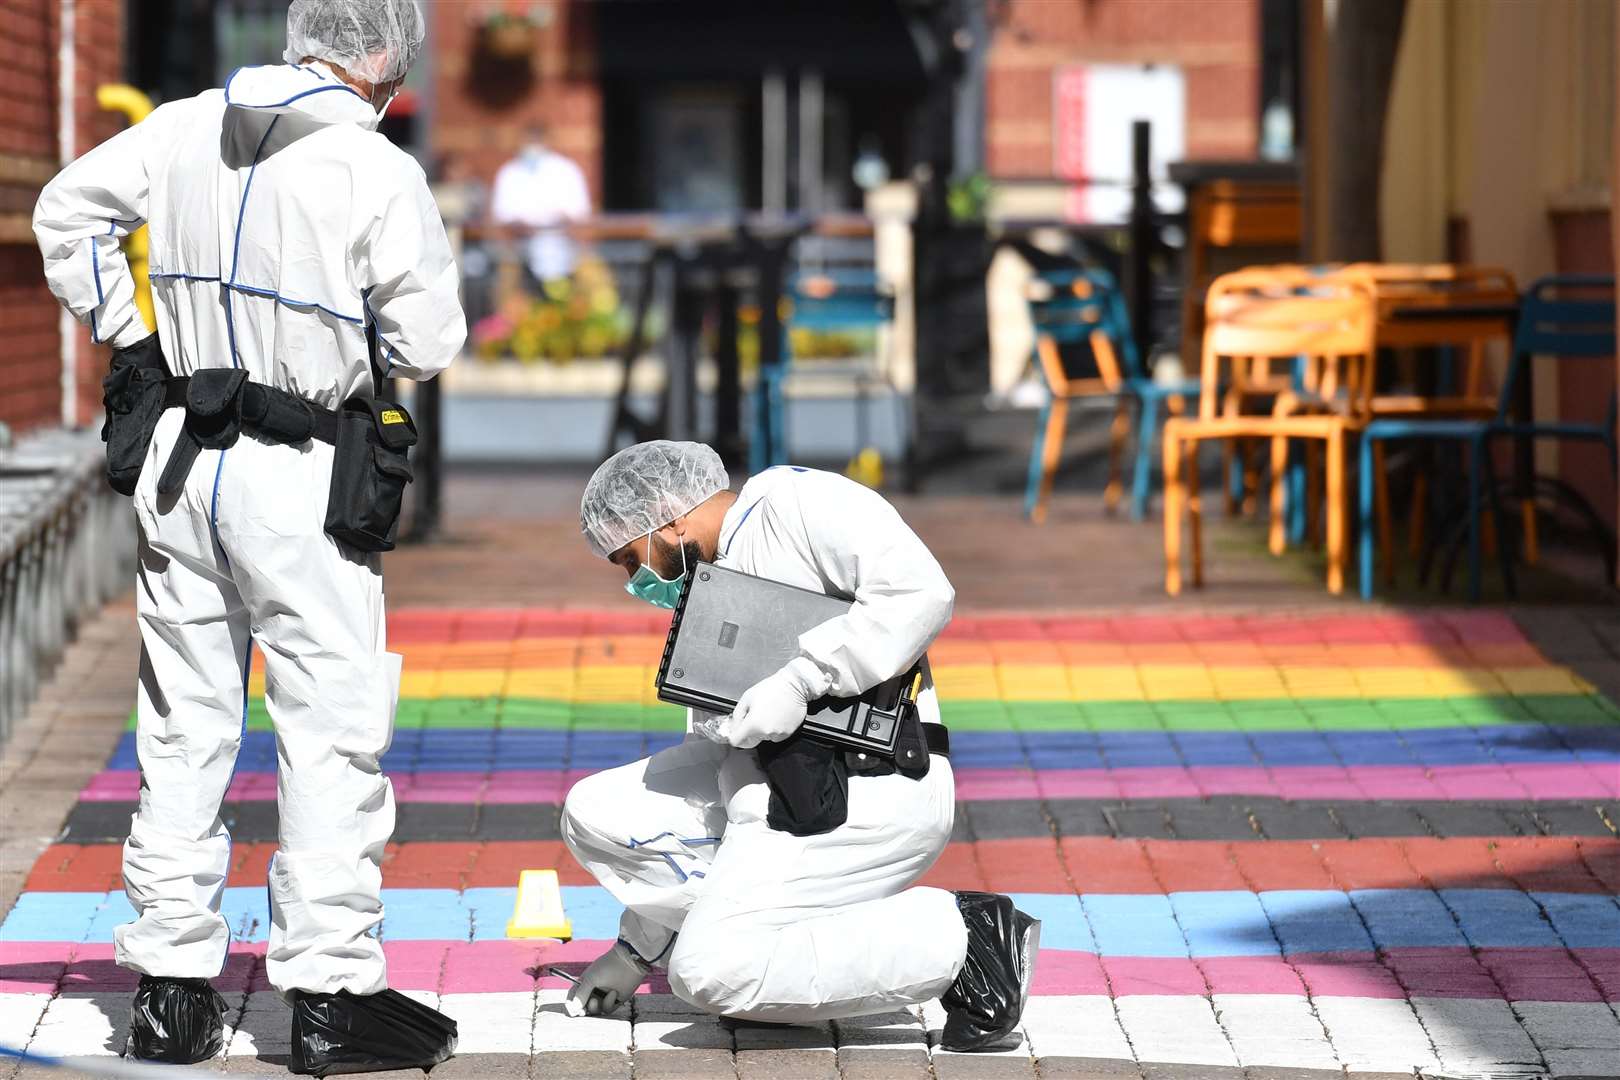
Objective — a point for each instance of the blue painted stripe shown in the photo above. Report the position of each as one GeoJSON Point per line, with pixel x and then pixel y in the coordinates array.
{"type": "Point", "coordinates": [501, 750]}
{"type": "Point", "coordinates": [1198, 925]}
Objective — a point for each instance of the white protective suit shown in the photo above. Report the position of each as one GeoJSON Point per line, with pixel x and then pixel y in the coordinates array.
{"type": "Point", "coordinates": [281, 223]}
{"type": "Point", "coordinates": [773, 926]}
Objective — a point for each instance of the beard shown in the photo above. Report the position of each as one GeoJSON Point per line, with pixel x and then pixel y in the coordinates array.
{"type": "Point", "coordinates": [669, 557]}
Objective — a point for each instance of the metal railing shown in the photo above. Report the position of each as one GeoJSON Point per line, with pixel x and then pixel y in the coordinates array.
{"type": "Point", "coordinates": [67, 545]}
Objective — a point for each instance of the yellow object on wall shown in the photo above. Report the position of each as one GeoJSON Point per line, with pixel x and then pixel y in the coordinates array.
{"type": "Point", "coordinates": [118, 97]}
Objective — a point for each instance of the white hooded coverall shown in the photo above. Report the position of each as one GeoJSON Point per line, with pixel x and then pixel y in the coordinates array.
{"type": "Point", "coordinates": [281, 224]}
{"type": "Point", "coordinates": [773, 926]}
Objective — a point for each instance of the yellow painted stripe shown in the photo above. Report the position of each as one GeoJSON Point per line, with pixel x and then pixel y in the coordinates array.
{"type": "Point", "coordinates": [1036, 682]}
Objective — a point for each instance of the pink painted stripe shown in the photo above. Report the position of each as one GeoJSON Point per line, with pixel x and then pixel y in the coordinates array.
{"type": "Point", "coordinates": [1585, 975]}
{"type": "Point", "coordinates": [1558, 780]}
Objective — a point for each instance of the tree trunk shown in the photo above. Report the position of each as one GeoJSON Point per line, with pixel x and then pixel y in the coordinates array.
{"type": "Point", "coordinates": [1366, 35]}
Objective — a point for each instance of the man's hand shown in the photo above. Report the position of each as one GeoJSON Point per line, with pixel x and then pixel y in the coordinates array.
{"type": "Point", "coordinates": [773, 708]}
{"type": "Point", "coordinates": [610, 981]}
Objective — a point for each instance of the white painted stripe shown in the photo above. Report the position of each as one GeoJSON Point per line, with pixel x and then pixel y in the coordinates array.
{"type": "Point", "coordinates": [1376, 1034]}
{"type": "Point", "coordinates": [1175, 1030]}
{"type": "Point", "coordinates": [554, 1029]}
{"type": "Point", "coordinates": [83, 1025]}
{"type": "Point", "coordinates": [1270, 1029]}
{"type": "Point", "coordinates": [19, 1016]}
{"type": "Point", "coordinates": [499, 1023]}
{"type": "Point", "coordinates": [1074, 1027]}
{"type": "Point", "coordinates": [1578, 1038]}
{"type": "Point", "coordinates": [1475, 1037]}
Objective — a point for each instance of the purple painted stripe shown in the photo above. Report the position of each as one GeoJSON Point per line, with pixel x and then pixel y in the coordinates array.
{"type": "Point", "coordinates": [1377, 782]}
{"type": "Point", "coordinates": [1588, 975]}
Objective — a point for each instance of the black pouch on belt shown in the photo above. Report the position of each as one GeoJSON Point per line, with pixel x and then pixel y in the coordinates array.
{"type": "Point", "coordinates": [132, 394]}
{"type": "Point", "coordinates": [213, 422]}
{"type": "Point", "coordinates": [809, 783]}
{"type": "Point", "coordinates": [370, 468]}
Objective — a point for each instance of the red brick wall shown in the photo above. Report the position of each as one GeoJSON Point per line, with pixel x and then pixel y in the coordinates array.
{"type": "Point", "coordinates": [476, 135]}
{"type": "Point", "coordinates": [1216, 43]}
{"type": "Point", "coordinates": [30, 377]}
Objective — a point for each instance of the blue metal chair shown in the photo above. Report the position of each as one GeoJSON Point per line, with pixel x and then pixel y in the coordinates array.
{"type": "Point", "coordinates": [830, 300]}
{"type": "Point", "coordinates": [1086, 306]}
{"type": "Point", "coordinates": [1562, 317]}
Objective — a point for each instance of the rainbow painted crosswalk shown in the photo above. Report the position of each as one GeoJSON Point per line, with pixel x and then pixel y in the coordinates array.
{"type": "Point", "coordinates": [1355, 816]}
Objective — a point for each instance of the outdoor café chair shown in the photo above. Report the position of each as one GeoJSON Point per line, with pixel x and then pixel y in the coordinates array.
{"type": "Point", "coordinates": [1562, 318]}
{"type": "Point", "coordinates": [1087, 306]}
{"type": "Point", "coordinates": [1328, 336]}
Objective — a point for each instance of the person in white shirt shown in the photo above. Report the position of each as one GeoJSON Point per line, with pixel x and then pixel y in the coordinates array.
{"type": "Point", "coordinates": [545, 191]}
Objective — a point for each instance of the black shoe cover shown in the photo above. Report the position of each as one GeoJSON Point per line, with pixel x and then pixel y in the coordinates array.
{"type": "Point", "coordinates": [177, 1021]}
{"type": "Point", "coordinates": [351, 1033]}
{"type": "Point", "coordinates": [985, 1003]}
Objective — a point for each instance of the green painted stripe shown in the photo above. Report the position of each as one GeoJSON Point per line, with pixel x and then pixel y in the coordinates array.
{"type": "Point", "coordinates": [1280, 714]}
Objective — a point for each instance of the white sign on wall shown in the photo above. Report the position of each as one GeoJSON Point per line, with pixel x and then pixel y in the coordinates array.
{"type": "Point", "coordinates": [1094, 106]}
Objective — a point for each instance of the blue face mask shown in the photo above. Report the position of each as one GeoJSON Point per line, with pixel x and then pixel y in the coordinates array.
{"type": "Point", "coordinates": [645, 584]}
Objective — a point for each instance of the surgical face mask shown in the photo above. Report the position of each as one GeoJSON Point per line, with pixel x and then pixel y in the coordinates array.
{"type": "Point", "coordinates": [645, 584]}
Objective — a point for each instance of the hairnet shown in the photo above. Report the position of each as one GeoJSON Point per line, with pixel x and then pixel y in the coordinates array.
{"type": "Point", "coordinates": [374, 40]}
{"type": "Point", "coordinates": [645, 487]}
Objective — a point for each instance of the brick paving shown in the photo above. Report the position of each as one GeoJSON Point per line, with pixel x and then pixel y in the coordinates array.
{"type": "Point", "coordinates": [1270, 836]}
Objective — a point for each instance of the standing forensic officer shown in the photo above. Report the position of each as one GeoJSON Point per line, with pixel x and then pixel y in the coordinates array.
{"type": "Point", "coordinates": [760, 912]}
{"type": "Point", "coordinates": [295, 255]}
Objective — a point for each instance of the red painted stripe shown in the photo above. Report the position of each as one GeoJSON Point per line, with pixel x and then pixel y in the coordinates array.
{"type": "Point", "coordinates": [1083, 864]}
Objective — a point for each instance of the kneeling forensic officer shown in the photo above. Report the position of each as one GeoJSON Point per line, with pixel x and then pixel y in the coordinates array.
{"type": "Point", "coordinates": [762, 923]}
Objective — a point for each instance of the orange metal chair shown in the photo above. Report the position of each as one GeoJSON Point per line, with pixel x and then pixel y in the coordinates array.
{"type": "Point", "coordinates": [1332, 330]}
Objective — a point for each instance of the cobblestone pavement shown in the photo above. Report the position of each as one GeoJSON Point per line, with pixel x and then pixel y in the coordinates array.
{"type": "Point", "coordinates": [1263, 846]}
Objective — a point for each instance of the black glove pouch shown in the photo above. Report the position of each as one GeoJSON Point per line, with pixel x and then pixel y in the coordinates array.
{"type": "Point", "coordinates": [370, 468]}
{"type": "Point", "coordinates": [809, 782]}
{"type": "Point", "coordinates": [213, 422]}
{"type": "Point", "coordinates": [132, 394]}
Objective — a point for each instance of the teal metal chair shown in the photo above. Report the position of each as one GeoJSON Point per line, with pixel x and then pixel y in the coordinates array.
{"type": "Point", "coordinates": [827, 301]}
{"type": "Point", "coordinates": [1086, 306]}
{"type": "Point", "coordinates": [1562, 318]}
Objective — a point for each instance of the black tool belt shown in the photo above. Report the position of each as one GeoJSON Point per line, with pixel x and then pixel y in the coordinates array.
{"type": "Point", "coordinates": [371, 440]}
{"type": "Point", "coordinates": [221, 403]}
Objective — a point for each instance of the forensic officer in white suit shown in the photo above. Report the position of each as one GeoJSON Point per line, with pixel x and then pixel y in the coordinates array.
{"type": "Point", "coordinates": [755, 922]}
{"type": "Point", "coordinates": [285, 231]}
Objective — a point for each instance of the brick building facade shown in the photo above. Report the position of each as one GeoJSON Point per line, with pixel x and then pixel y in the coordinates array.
{"type": "Point", "coordinates": [479, 117]}
{"type": "Point", "coordinates": [31, 374]}
{"type": "Point", "coordinates": [482, 104]}
{"type": "Point", "coordinates": [1216, 43]}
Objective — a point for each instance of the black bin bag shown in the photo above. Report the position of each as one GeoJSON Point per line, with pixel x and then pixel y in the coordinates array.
{"type": "Point", "coordinates": [370, 468]}
{"type": "Point", "coordinates": [178, 1021]}
{"type": "Point", "coordinates": [349, 1033]}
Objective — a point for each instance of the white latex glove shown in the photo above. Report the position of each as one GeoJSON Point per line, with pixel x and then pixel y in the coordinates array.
{"type": "Point", "coordinates": [773, 708]}
{"type": "Point", "coordinates": [609, 981]}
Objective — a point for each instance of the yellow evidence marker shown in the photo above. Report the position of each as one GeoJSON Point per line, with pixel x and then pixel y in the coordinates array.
{"type": "Point", "coordinates": [539, 909]}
